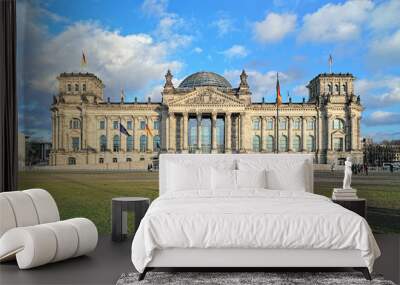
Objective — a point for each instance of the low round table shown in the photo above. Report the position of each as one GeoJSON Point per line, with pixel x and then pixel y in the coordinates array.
{"type": "Point", "coordinates": [119, 212]}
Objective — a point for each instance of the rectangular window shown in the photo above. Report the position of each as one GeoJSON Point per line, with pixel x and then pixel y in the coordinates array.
{"type": "Point", "coordinates": [282, 124]}
{"type": "Point", "coordinates": [115, 160]}
{"type": "Point", "coordinates": [75, 144]}
{"type": "Point", "coordinates": [115, 125]}
{"type": "Point", "coordinates": [84, 87]}
{"type": "Point", "coordinates": [270, 125]}
{"type": "Point", "coordinates": [101, 160]}
{"type": "Point", "coordinates": [69, 88]}
{"type": "Point", "coordinates": [129, 125]}
{"type": "Point", "coordinates": [76, 87]}
{"type": "Point", "coordinates": [128, 159]}
{"type": "Point", "coordinates": [142, 125]}
{"type": "Point", "coordinates": [338, 144]}
{"type": "Point", "coordinates": [102, 124]}
{"type": "Point", "coordinates": [296, 124]}
{"type": "Point", "coordinates": [256, 124]}
{"type": "Point", "coordinates": [310, 124]}
{"type": "Point", "coordinates": [156, 125]}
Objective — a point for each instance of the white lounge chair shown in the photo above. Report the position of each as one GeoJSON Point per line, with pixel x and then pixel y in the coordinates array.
{"type": "Point", "coordinates": [31, 230]}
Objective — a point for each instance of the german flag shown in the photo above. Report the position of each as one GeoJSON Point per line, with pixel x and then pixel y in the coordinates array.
{"type": "Point", "coordinates": [148, 131]}
{"type": "Point", "coordinates": [278, 91]}
{"type": "Point", "coordinates": [83, 60]}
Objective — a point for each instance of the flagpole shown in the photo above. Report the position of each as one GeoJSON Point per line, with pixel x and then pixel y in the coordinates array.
{"type": "Point", "coordinates": [277, 126]}
{"type": "Point", "coordinates": [277, 113]}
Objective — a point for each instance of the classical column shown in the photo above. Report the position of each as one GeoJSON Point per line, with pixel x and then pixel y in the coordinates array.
{"type": "Point", "coordinates": [263, 138]}
{"type": "Point", "coordinates": [242, 132]}
{"type": "Point", "coordinates": [289, 125]}
{"type": "Point", "coordinates": [303, 133]}
{"type": "Point", "coordinates": [214, 132]}
{"type": "Point", "coordinates": [228, 133]}
{"type": "Point", "coordinates": [172, 134]}
{"type": "Point", "coordinates": [53, 131]}
{"type": "Point", "coordinates": [319, 132]}
{"type": "Point", "coordinates": [329, 123]}
{"type": "Point", "coordinates": [166, 134]}
{"type": "Point", "coordinates": [108, 133]}
{"type": "Point", "coordinates": [199, 132]}
{"type": "Point", "coordinates": [63, 131]}
{"type": "Point", "coordinates": [185, 137]}
{"type": "Point", "coordinates": [149, 147]}
{"type": "Point", "coordinates": [353, 132]}
{"type": "Point", "coordinates": [136, 137]}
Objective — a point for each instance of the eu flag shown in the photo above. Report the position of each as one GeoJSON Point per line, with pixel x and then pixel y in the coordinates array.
{"type": "Point", "coordinates": [123, 130]}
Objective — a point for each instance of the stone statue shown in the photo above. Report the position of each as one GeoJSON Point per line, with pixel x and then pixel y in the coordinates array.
{"type": "Point", "coordinates": [243, 80]}
{"type": "Point", "coordinates": [347, 174]}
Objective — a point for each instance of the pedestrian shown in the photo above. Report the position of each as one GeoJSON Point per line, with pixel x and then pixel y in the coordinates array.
{"type": "Point", "coordinates": [366, 169]}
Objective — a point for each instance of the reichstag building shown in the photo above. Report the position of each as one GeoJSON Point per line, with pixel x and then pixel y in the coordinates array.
{"type": "Point", "coordinates": [204, 114]}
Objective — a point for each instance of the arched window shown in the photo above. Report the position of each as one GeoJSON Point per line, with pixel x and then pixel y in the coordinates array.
{"type": "Point", "coordinates": [143, 143]}
{"type": "Point", "coordinates": [270, 144]}
{"type": "Point", "coordinates": [156, 143]}
{"type": "Point", "coordinates": [310, 143]}
{"type": "Point", "coordinates": [344, 88]}
{"type": "Point", "coordinates": [129, 143]}
{"type": "Point", "coordinates": [128, 159]}
{"type": "Point", "coordinates": [101, 160]}
{"type": "Point", "coordinates": [296, 144]}
{"type": "Point", "coordinates": [103, 143]}
{"type": "Point", "coordinates": [116, 143]}
{"type": "Point", "coordinates": [69, 88]}
{"type": "Point", "coordinates": [330, 88]}
{"type": "Point", "coordinates": [338, 124]}
{"type": "Point", "coordinates": [71, 161]}
{"type": "Point", "coordinates": [76, 87]}
{"type": "Point", "coordinates": [256, 143]}
{"type": "Point", "coordinates": [283, 144]}
{"type": "Point", "coordinates": [336, 88]}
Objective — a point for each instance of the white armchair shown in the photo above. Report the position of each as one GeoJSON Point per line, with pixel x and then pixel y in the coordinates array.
{"type": "Point", "coordinates": [31, 230]}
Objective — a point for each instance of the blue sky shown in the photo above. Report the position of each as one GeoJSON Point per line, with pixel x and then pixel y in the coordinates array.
{"type": "Point", "coordinates": [130, 44]}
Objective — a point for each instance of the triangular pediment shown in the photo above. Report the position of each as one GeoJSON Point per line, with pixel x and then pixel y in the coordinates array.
{"type": "Point", "coordinates": [206, 97]}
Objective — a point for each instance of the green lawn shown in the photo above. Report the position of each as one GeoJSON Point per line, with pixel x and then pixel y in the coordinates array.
{"type": "Point", "coordinates": [88, 194]}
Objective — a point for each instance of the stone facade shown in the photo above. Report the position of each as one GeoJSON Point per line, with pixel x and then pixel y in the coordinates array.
{"type": "Point", "coordinates": [203, 115]}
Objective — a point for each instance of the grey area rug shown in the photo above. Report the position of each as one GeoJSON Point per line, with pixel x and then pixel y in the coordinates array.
{"type": "Point", "coordinates": [228, 278]}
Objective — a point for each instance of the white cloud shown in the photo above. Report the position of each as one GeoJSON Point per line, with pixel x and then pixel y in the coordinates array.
{"type": "Point", "coordinates": [261, 84]}
{"type": "Point", "coordinates": [379, 92]}
{"type": "Point", "coordinates": [274, 27]}
{"type": "Point", "coordinates": [155, 92]}
{"type": "Point", "coordinates": [155, 7]}
{"type": "Point", "coordinates": [198, 50]}
{"type": "Point", "coordinates": [224, 24]}
{"type": "Point", "coordinates": [386, 48]}
{"type": "Point", "coordinates": [386, 16]}
{"type": "Point", "coordinates": [235, 51]}
{"type": "Point", "coordinates": [383, 118]}
{"type": "Point", "coordinates": [332, 23]}
{"type": "Point", "coordinates": [128, 61]}
{"type": "Point", "coordinates": [300, 91]}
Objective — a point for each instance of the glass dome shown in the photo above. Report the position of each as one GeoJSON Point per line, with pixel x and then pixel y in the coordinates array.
{"type": "Point", "coordinates": [205, 79]}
